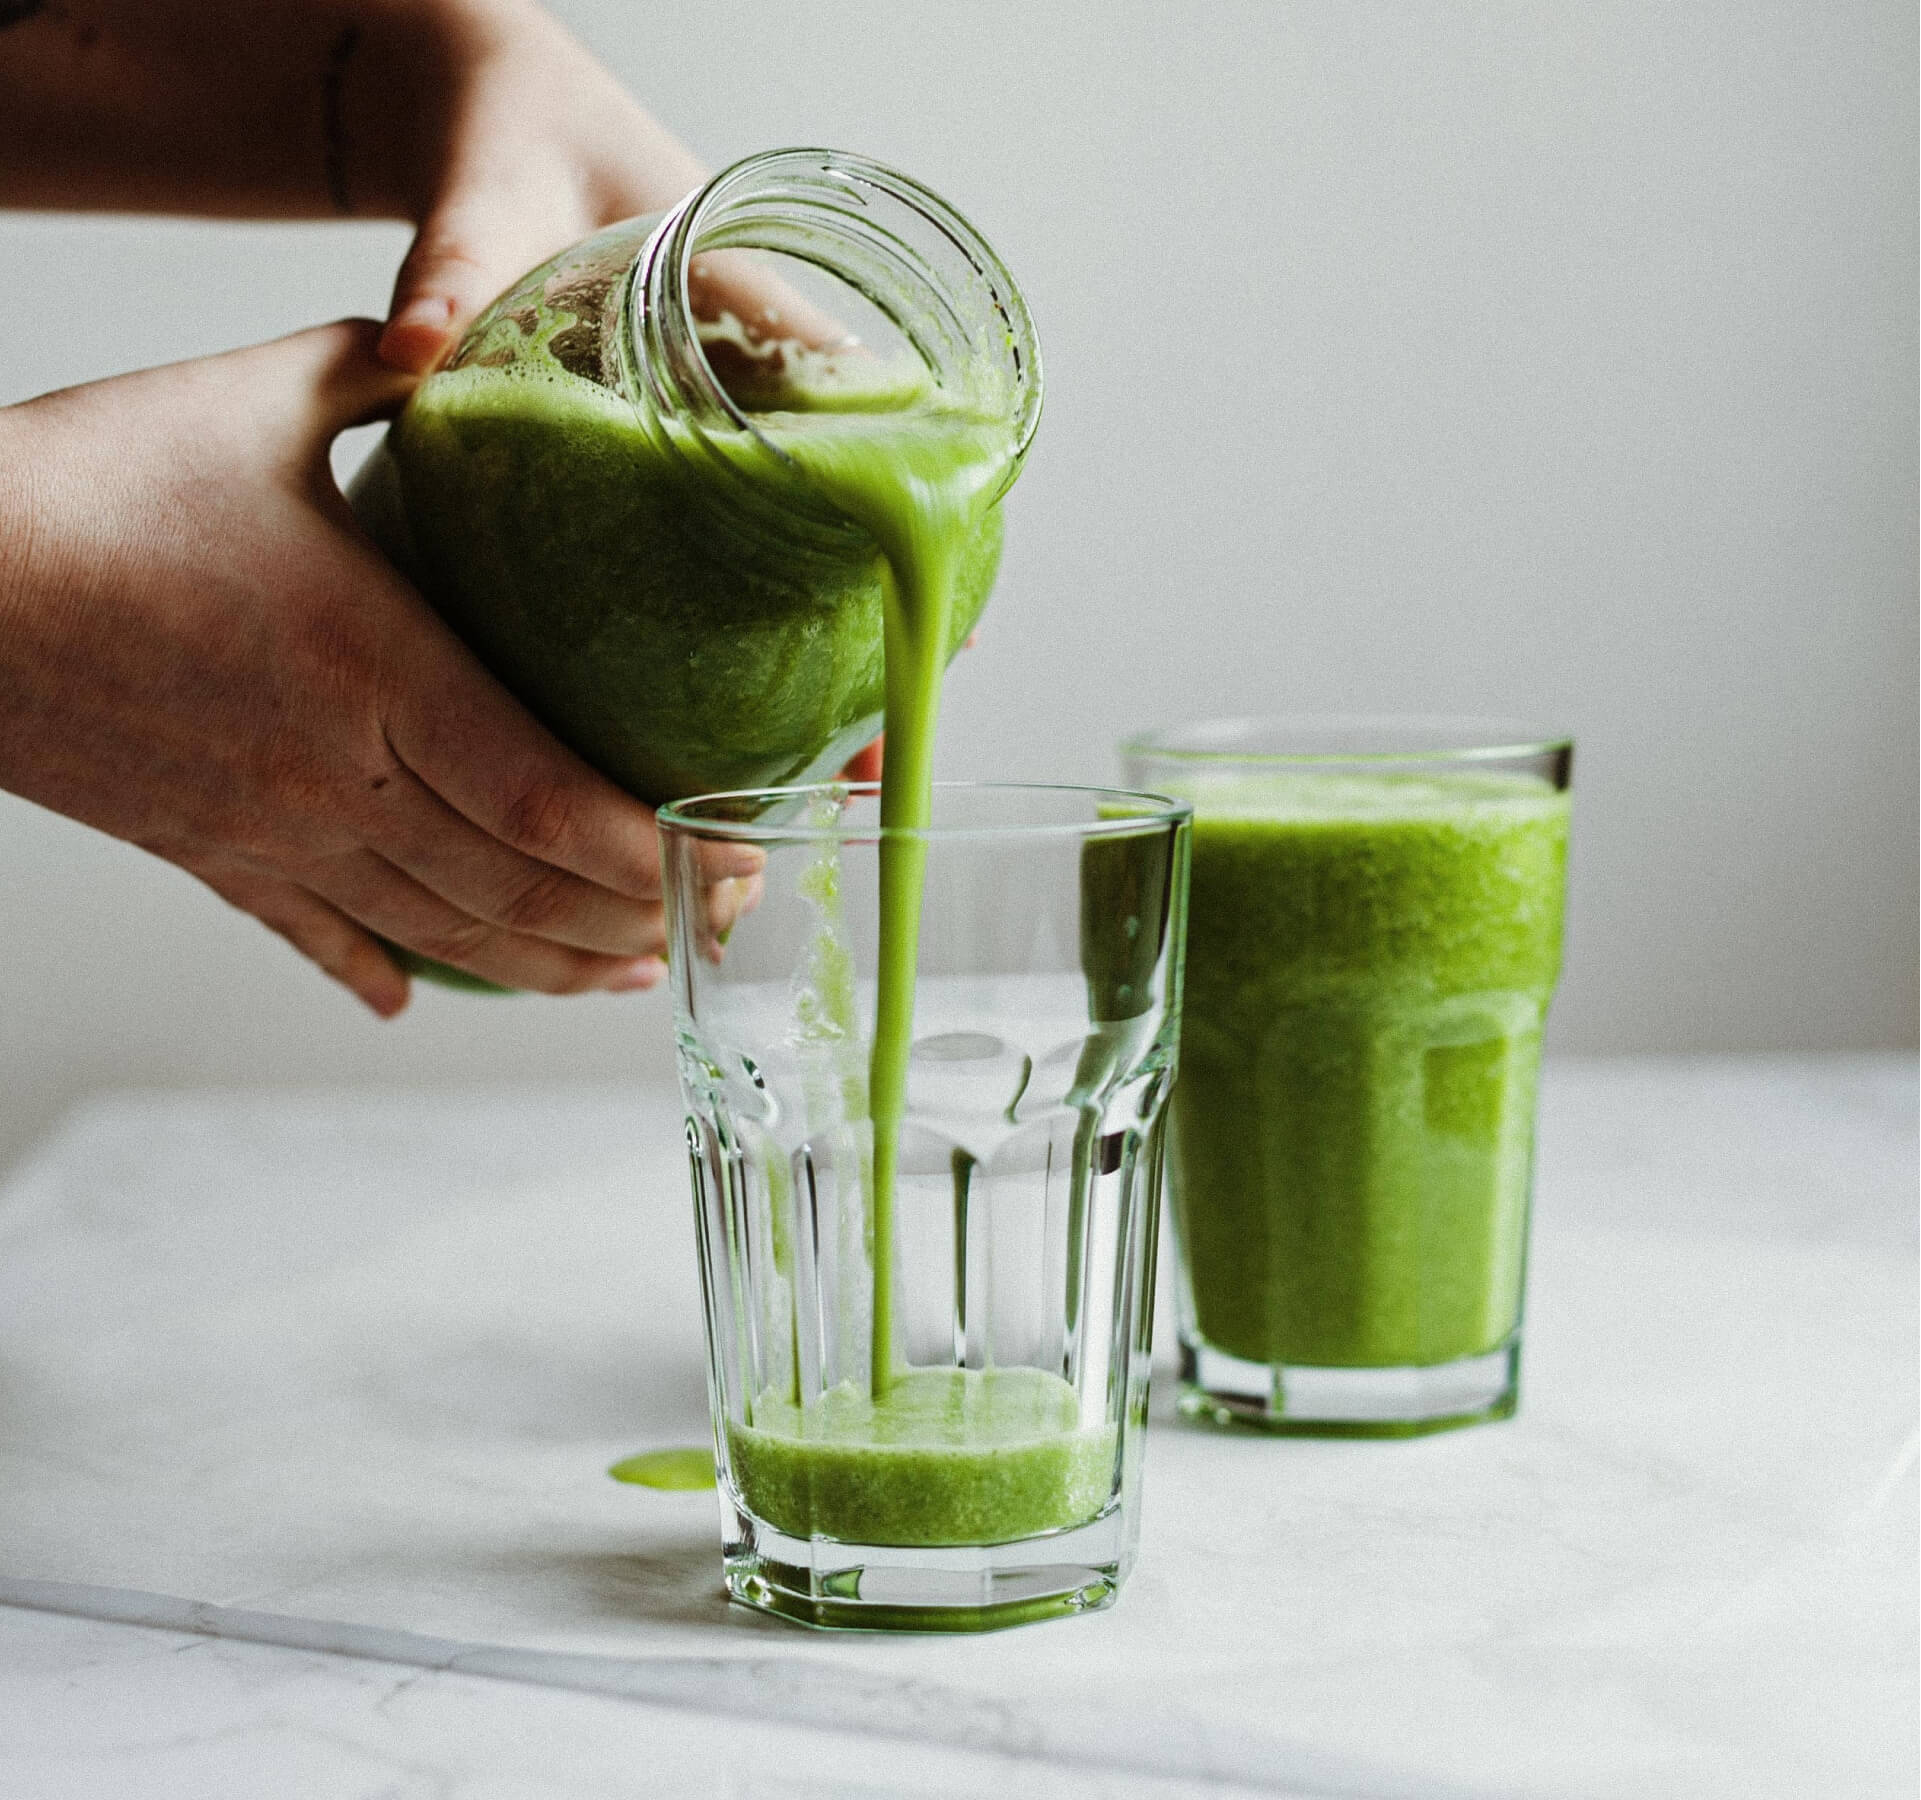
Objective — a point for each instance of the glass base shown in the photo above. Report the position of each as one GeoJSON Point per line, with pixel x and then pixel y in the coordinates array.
{"type": "Point", "coordinates": [837, 1586]}
{"type": "Point", "coordinates": [1314, 1402]}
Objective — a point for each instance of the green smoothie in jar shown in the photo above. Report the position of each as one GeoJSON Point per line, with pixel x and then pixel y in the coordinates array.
{"type": "Point", "coordinates": [676, 652]}
{"type": "Point", "coordinates": [681, 539]}
{"type": "Point", "coordinates": [1372, 945]}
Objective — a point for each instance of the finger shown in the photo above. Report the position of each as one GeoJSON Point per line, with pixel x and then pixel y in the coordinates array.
{"type": "Point", "coordinates": [546, 148]}
{"type": "Point", "coordinates": [713, 912]}
{"type": "Point", "coordinates": [488, 808]}
{"type": "Point", "coordinates": [320, 932]}
{"type": "Point", "coordinates": [865, 765]}
{"type": "Point", "coordinates": [390, 902]}
{"type": "Point", "coordinates": [734, 900]}
{"type": "Point", "coordinates": [746, 285]}
{"type": "Point", "coordinates": [421, 834]}
{"type": "Point", "coordinates": [318, 383]}
{"type": "Point", "coordinates": [470, 742]}
{"type": "Point", "coordinates": [729, 901]}
{"type": "Point", "coordinates": [721, 861]}
{"type": "Point", "coordinates": [484, 234]}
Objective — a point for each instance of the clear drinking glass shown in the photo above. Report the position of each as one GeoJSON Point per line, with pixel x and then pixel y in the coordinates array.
{"type": "Point", "coordinates": [1374, 936]}
{"type": "Point", "coordinates": [928, 1320]}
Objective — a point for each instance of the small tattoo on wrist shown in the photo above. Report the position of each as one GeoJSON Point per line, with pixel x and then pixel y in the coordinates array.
{"type": "Point", "coordinates": [333, 83]}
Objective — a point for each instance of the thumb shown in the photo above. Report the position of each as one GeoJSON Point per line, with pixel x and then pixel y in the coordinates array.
{"type": "Point", "coordinates": [309, 387]}
{"type": "Point", "coordinates": [463, 255]}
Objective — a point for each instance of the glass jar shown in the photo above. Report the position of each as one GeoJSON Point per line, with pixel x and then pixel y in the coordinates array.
{"type": "Point", "coordinates": [590, 492]}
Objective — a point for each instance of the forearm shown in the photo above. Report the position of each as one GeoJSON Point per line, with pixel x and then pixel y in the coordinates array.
{"type": "Point", "coordinates": [277, 108]}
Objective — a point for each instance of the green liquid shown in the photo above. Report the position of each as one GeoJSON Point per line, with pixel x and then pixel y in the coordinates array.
{"type": "Point", "coordinates": [946, 1456]}
{"type": "Point", "coordinates": [679, 1471]}
{"type": "Point", "coordinates": [920, 482]}
{"type": "Point", "coordinates": [1369, 963]}
{"type": "Point", "coordinates": [675, 653]}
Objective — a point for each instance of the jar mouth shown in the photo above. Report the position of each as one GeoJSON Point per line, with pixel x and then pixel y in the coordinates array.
{"type": "Point", "coordinates": [843, 812]}
{"type": "Point", "coordinates": [896, 243]}
{"type": "Point", "coordinates": [1372, 739]}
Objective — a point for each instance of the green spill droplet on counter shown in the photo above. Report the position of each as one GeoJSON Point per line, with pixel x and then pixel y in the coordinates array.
{"type": "Point", "coordinates": [678, 1471]}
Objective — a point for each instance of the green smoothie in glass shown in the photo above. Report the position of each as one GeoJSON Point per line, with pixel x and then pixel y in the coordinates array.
{"type": "Point", "coordinates": [1373, 940]}
{"type": "Point", "coordinates": [943, 1457]}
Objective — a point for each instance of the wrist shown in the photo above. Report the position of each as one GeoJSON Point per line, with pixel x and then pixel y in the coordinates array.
{"type": "Point", "coordinates": [383, 109]}
{"type": "Point", "coordinates": [18, 527]}
{"type": "Point", "coordinates": [23, 602]}
{"type": "Point", "coordinates": [397, 80]}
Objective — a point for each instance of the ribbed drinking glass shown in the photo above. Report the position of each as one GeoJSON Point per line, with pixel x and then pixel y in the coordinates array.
{"type": "Point", "coordinates": [928, 1321]}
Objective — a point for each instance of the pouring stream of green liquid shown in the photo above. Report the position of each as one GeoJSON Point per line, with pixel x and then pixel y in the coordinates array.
{"type": "Point", "coordinates": [919, 481]}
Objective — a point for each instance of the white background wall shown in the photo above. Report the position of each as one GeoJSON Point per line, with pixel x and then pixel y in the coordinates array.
{"type": "Point", "coordinates": [1454, 357]}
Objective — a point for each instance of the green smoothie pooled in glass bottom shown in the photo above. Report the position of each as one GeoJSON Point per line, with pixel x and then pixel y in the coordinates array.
{"type": "Point", "coordinates": [669, 595]}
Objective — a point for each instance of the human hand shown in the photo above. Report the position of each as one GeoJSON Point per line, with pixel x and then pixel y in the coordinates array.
{"type": "Point", "coordinates": [524, 144]}
{"type": "Point", "coordinates": [202, 654]}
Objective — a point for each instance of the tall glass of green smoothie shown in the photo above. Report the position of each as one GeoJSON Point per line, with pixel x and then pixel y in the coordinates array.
{"type": "Point", "coordinates": [927, 1224]}
{"type": "Point", "coordinates": [1374, 937]}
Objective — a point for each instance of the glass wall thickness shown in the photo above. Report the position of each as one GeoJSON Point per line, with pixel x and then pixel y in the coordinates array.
{"type": "Point", "coordinates": [946, 1435]}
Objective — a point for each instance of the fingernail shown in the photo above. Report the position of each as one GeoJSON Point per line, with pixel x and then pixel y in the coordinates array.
{"type": "Point", "coordinates": [647, 972]}
{"type": "Point", "coordinates": [389, 1005]}
{"type": "Point", "coordinates": [426, 309]}
{"type": "Point", "coordinates": [416, 337]}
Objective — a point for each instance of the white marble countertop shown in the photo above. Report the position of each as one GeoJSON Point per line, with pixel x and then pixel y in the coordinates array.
{"type": "Point", "coordinates": [304, 1403]}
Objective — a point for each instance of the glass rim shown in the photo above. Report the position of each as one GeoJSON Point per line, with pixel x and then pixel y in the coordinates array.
{"type": "Point", "coordinates": [681, 231]}
{"type": "Point", "coordinates": [1459, 737]}
{"type": "Point", "coordinates": [1154, 812]}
